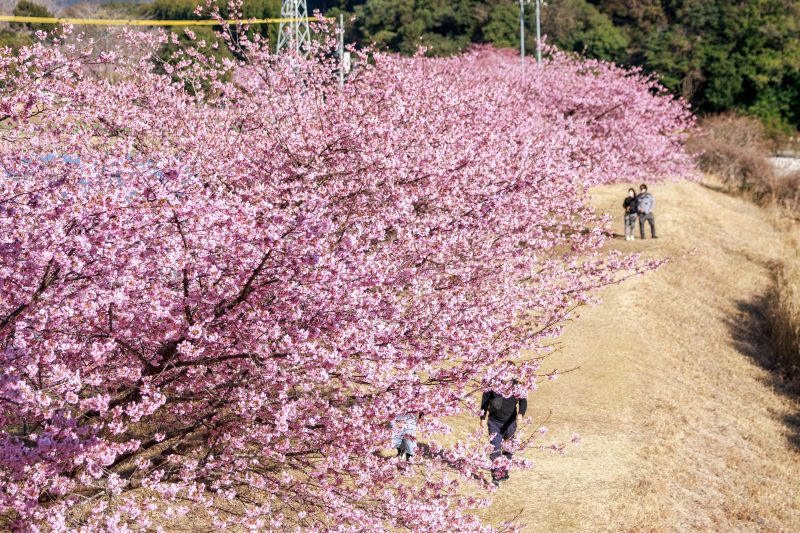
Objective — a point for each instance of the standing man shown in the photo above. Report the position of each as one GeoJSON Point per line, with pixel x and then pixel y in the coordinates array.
{"type": "Point", "coordinates": [645, 204]}
{"type": "Point", "coordinates": [503, 417]}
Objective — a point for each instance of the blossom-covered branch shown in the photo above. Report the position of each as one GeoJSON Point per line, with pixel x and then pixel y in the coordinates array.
{"type": "Point", "coordinates": [219, 281]}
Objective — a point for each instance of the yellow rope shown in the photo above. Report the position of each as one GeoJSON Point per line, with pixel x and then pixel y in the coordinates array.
{"type": "Point", "coordinates": [140, 22]}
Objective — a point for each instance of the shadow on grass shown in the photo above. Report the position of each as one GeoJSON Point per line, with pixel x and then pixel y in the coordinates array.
{"type": "Point", "coordinates": [751, 336]}
{"type": "Point", "coordinates": [424, 450]}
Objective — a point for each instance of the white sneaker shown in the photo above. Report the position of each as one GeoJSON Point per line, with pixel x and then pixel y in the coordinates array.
{"type": "Point", "coordinates": [633, 237]}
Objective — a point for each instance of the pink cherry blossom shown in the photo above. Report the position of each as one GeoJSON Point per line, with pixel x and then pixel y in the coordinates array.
{"type": "Point", "coordinates": [220, 280]}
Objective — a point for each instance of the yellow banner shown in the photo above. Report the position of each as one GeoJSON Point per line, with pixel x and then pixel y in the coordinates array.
{"type": "Point", "coordinates": [141, 22]}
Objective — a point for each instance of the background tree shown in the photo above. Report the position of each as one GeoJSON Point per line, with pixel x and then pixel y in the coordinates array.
{"type": "Point", "coordinates": [578, 26]}
{"type": "Point", "coordinates": [718, 54]}
{"type": "Point", "coordinates": [445, 27]}
{"type": "Point", "coordinates": [26, 8]}
{"type": "Point", "coordinates": [19, 34]}
{"type": "Point", "coordinates": [499, 24]}
{"type": "Point", "coordinates": [725, 55]}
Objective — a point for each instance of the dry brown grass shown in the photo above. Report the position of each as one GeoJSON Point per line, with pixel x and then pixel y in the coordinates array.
{"type": "Point", "coordinates": [784, 308]}
{"type": "Point", "coordinates": [785, 193]}
{"type": "Point", "coordinates": [736, 149]}
{"type": "Point", "coordinates": [684, 428]}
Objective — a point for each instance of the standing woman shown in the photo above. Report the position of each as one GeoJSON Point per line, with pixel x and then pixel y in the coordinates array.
{"type": "Point", "coordinates": [631, 213]}
{"type": "Point", "coordinates": [404, 434]}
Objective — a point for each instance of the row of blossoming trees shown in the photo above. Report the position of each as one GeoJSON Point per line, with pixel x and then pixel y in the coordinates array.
{"type": "Point", "coordinates": [220, 281]}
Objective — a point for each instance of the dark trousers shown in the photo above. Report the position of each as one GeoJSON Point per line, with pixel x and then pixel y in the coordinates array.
{"type": "Point", "coordinates": [649, 217]}
{"type": "Point", "coordinates": [503, 431]}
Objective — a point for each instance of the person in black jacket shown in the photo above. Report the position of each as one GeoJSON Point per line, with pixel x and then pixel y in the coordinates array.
{"type": "Point", "coordinates": [631, 213]}
{"type": "Point", "coordinates": [503, 416]}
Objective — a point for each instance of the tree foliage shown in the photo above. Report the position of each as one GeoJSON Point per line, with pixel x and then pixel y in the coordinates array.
{"type": "Point", "coordinates": [185, 10]}
{"type": "Point", "coordinates": [213, 301]}
{"type": "Point", "coordinates": [449, 27]}
{"type": "Point", "coordinates": [578, 26]}
{"type": "Point", "coordinates": [718, 54]}
{"type": "Point", "coordinates": [19, 33]}
{"type": "Point", "coordinates": [26, 8]}
{"type": "Point", "coordinates": [723, 55]}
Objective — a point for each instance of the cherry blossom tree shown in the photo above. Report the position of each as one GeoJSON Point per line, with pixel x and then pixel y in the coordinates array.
{"type": "Point", "coordinates": [220, 280]}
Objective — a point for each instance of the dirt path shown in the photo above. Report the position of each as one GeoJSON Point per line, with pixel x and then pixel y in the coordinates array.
{"type": "Point", "coordinates": [683, 427]}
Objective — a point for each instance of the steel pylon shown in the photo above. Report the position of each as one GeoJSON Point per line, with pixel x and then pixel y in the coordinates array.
{"type": "Point", "coordinates": [295, 35]}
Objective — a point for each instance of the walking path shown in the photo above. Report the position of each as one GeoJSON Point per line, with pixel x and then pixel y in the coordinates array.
{"type": "Point", "coordinates": [684, 428]}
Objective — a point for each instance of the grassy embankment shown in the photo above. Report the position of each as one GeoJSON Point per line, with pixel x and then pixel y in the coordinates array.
{"type": "Point", "coordinates": [736, 150]}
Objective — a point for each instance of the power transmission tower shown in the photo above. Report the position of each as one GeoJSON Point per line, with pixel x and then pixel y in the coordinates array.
{"type": "Point", "coordinates": [296, 33]}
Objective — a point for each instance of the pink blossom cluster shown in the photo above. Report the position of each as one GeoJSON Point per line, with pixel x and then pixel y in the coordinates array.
{"type": "Point", "coordinates": [221, 280]}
